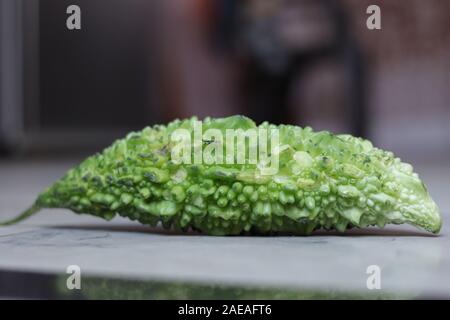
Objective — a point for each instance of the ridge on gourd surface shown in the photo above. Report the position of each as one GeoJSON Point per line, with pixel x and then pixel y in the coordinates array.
{"type": "Point", "coordinates": [323, 181]}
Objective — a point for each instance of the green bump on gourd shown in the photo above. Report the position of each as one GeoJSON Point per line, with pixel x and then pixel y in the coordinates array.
{"type": "Point", "coordinates": [353, 215]}
{"type": "Point", "coordinates": [156, 175]}
{"type": "Point", "coordinates": [126, 198]}
{"type": "Point", "coordinates": [348, 191]}
{"type": "Point", "coordinates": [178, 194]}
{"type": "Point", "coordinates": [310, 203]}
{"type": "Point", "coordinates": [324, 181]}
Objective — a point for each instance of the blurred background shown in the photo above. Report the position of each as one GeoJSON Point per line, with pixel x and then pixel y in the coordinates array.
{"type": "Point", "coordinates": [137, 62]}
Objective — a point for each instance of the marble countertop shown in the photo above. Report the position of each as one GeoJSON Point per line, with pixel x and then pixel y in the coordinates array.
{"type": "Point", "coordinates": [411, 262]}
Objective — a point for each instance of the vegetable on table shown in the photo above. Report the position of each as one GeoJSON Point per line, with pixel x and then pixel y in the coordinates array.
{"type": "Point", "coordinates": [324, 181]}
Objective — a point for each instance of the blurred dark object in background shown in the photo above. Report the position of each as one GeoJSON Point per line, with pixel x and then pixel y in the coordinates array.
{"type": "Point", "coordinates": [99, 75]}
{"type": "Point", "coordinates": [77, 89]}
{"type": "Point", "coordinates": [283, 38]}
{"type": "Point", "coordinates": [135, 63]}
{"type": "Point", "coordinates": [268, 46]}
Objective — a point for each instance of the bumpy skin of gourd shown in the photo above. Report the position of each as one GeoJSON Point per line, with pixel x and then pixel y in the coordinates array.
{"type": "Point", "coordinates": [324, 181]}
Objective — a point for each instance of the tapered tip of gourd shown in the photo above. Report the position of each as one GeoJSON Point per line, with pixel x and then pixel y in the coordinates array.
{"type": "Point", "coordinates": [437, 227]}
{"type": "Point", "coordinates": [434, 227]}
{"type": "Point", "coordinates": [427, 218]}
{"type": "Point", "coordinates": [24, 215]}
{"type": "Point", "coordinates": [435, 223]}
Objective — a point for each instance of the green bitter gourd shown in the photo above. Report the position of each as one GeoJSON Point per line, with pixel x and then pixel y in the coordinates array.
{"type": "Point", "coordinates": [324, 181]}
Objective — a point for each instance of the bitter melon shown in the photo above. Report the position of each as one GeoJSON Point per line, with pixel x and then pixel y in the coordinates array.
{"type": "Point", "coordinates": [322, 181]}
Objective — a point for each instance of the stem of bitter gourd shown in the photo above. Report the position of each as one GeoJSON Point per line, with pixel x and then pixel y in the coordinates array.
{"type": "Point", "coordinates": [26, 214]}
